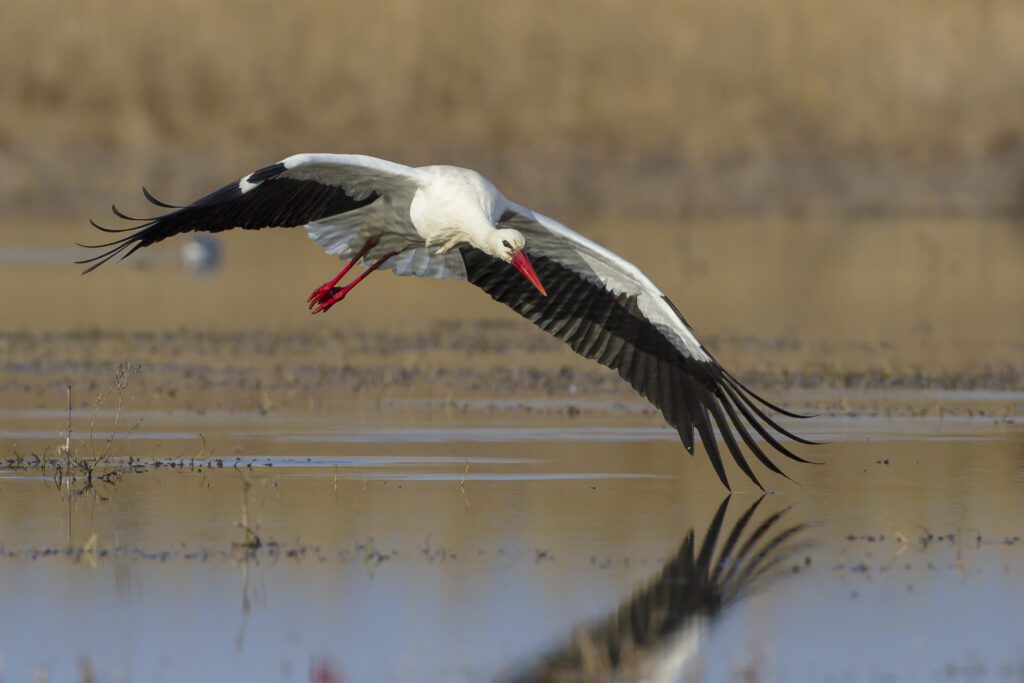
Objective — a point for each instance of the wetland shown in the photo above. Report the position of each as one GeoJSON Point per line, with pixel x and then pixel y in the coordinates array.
{"type": "Point", "coordinates": [429, 489]}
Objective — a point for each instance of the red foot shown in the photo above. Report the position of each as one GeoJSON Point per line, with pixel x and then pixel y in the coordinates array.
{"type": "Point", "coordinates": [319, 293]}
{"type": "Point", "coordinates": [324, 290]}
{"type": "Point", "coordinates": [328, 299]}
{"type": "Point", "coordinates": [327, 295]}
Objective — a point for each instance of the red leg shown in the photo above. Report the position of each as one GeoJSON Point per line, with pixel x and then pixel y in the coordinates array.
{"type": "Point", "coordinates": [336, 294]}
{"type": "Point", "coordinates": [323, 290]}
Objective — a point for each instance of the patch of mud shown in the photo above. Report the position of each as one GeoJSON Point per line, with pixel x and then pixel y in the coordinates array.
{"type": "Point", "coordinates": [455, 367]}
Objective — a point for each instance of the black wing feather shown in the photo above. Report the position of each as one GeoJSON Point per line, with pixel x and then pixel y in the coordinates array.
{"type": "Point", "coordinates": [692, 395]}
{"type": "Point", "coordinates": [697, 583]}
{"type": "Point", "coordinates": [276, 201]}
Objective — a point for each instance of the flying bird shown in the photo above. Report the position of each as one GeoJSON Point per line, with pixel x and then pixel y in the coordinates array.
{"type": "Point", "coordinates": [450, 222]}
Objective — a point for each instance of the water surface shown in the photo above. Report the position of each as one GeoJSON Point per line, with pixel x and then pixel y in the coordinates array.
{"type": "Point", "coordinates": [481, 547]}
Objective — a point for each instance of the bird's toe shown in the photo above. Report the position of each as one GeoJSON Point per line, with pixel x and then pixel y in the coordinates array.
{"type": "Point", "coordinates": [318, 294]}
{"type": "Point", "coordinates": [327, 299]}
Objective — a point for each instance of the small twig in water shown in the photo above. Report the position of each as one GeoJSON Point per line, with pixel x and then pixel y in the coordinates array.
{"type": "Point", "coordinates": [67, 435]}
{"type": "Point", "coordinates": [202, 455]}
{"type": "Point", "coordinates": [252, 541]}
{"type": "Point", "coordinates": [462, 483]}
{"type": "Point", "coordinates": [121, 374]}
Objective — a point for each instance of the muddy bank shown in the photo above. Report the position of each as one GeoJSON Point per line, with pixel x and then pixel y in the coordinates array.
{"type": "Point", "coordinates": [475, 356]}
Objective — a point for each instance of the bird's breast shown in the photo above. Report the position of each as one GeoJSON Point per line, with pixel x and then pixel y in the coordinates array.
{"type": "Point", "coordinates": [447, 206]}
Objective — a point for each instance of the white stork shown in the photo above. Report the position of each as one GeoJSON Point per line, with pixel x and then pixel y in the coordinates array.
{"type": "Point", "coordinates": [449, 222]}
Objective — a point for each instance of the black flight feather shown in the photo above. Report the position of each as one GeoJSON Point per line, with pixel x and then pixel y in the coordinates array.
{"type": "Point", "coordinates": [692, 395]}
{"type": "Point", "coordinates": [275, 200]}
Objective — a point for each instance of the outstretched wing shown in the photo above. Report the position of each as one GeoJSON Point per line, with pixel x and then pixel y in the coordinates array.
{"type": "Point", "coordinates": [302, 189]}
{"type": "Point", "coordinates": [654, 633]}
{"type": "Point", "coordinates": [609, 311]}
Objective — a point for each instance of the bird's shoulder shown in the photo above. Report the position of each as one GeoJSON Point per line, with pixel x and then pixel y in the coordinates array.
{"type": "Point", "coordinates": [457, 190]}
{"type": "Point", "coordinates": [459, 178]}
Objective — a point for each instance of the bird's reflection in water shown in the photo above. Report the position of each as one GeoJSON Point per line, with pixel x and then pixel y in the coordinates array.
{"type": "Point", "coordinates": [655, 634]}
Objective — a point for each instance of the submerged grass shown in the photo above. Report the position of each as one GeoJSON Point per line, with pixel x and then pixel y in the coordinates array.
{"type": "Point", "coordinates": [251, 541]}
{"type": "Point", "coordinates": [72, 465]}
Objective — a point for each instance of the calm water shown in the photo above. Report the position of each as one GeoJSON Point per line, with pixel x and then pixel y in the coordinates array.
{"type": "Point", "coordinates": [406, 543]}
{"type": "Point", "coordinates": [443, 494]}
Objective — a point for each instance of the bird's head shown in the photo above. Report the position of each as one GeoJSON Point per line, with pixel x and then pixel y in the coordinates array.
{"type": "Point", "coordinates": [509, 246]}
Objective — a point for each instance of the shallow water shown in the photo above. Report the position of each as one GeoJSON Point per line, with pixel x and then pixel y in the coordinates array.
{"type": "Point", "coordinates": [482, 545]}
{"type": "Point", "coordinates": [442, 493]}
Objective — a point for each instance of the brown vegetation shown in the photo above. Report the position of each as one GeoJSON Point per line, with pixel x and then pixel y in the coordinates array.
{"type": "Point", "coordinates": [673, 107]}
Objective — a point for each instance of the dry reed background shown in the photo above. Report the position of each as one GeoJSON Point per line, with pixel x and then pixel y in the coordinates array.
{"type": "Point", "coordinates": [701, 116]}
{"type": "Point", "coordinates": [884, 139]}
{"type": "Point", "coordinates": [583, 107]}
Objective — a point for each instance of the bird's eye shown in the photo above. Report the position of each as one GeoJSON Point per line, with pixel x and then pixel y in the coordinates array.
{"type": "Point", "coordinates": [505, 244]}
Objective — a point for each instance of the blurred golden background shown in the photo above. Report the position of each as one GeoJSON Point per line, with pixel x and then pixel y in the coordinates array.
{"type": "Point", "coordinates": [787, 169]}
{"type": "Point", "coordinates": [581, 106]}
{"type": "Point", "coordinates": [831, 192]}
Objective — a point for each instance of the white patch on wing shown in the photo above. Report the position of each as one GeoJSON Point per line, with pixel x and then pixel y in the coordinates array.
{"type": "Point", "coordinates": [245, 186]}
{"type": "Point", "coordinates": [599, 265]}
{"type": "Point", "coordinates": [676, 657]}
{"type": "Point", "coordinates": [344, 235]}
{"type": "Point", "coordinates": [421, 262]}
{"type": "Point", "coordinates": [360, 175]}
{"type": "Point", "coordinates": [546, 236]}
{"type": "Point", "coordinates": [667, 322]}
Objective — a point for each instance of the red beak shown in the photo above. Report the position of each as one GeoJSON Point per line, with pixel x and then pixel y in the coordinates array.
{"type": "Point", "coordinates": [524, 266]}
